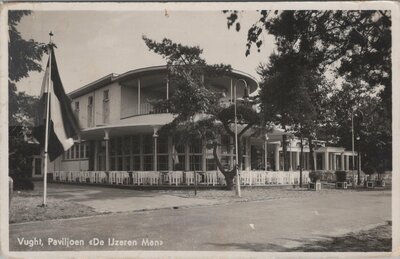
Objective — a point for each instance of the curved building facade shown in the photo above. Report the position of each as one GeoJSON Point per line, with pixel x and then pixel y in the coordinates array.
{"type": "Point", "coordinates": [120, 131]}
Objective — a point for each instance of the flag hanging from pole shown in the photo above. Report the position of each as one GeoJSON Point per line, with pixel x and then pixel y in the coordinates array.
{"type": "Point", "coordinates": [63, 126]}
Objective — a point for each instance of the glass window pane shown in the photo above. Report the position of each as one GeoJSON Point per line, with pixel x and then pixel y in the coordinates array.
{"type": "Point", "coordinates": [136, 163]}
{"type": "Point", "coordinates": [162, 145]}
{"type": "Point", "coordinates": [148, 163]}
{"type": "Point", "coordinates": [148, 144]}
{"type": "Point", "coordinates": [162, 162]}
{"type": "Point", "coordinates": [135, 144]}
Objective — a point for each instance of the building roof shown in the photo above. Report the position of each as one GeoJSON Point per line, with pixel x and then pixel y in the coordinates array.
{"type": "Point", "coordinates": [108, 79]}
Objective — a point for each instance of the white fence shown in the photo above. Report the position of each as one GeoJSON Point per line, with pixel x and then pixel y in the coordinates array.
{"type": "Point", "coordinates": [179, 178]}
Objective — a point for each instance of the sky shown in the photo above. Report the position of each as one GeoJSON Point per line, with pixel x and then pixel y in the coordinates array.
{"type": "Point", "coordinates": [92, 44]}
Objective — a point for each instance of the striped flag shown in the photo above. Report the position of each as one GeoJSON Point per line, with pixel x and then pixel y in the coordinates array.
{"type": "Point", "coordinates": [63, 125]}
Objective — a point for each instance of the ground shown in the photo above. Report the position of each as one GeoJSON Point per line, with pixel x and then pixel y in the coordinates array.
{"type": "Point", "coordinates": [270, 220]}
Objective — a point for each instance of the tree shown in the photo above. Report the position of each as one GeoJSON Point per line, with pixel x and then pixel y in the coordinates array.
{"type": "Point", "coordinates": [24, 57]}
{"type": "Point", "coordinates": [353, 44]}
{"type": "Point", "coordinates": [196, 106]}
{"type": "Point", "coordinates": [295, 92]}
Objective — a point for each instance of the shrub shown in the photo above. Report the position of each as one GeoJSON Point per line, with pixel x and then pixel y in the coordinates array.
{"type": "Point", "coordinates": [369, 170]}
{"type": "Point", "coordinates": [23, 184]}
{"type": "Point", "coordinates": [314, 176]}
{"type": "Point", "coordinates": [341, 176]}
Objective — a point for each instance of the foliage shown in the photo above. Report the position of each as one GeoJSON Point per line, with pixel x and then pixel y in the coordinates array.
{"type": "Point", "coordinates": [341, 176]}
{"type": "Point", "coordinates": [369, 170]}
{"type": "Point", "coordinates": [315, 176]}
{"type": "Point", "coordinates": [24, 57]}
{"type": "Point", "coordinates": [196, 105]}
{"type": "Point", "coordinates": [354, 45]}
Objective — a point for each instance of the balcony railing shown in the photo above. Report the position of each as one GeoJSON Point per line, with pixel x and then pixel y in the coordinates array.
{"type": "Point", "coordinates": [147, 108]}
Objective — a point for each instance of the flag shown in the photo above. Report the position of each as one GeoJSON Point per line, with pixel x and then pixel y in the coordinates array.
{"type": "Point", "coordinates": [63, 126]}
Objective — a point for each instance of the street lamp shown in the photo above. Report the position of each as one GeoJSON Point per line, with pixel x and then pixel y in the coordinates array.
{"type": "Point", "coordinates": [358, 161]}
{"type": "Point", "coordinates": [238, 193]}
{"type": "Point", "coordinates": [359, 115]}
{"type": "Point", "coordinates": [266, 152]}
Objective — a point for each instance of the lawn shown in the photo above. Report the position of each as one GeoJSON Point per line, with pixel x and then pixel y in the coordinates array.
{"type": "Point", "coordinates": [26, 206]}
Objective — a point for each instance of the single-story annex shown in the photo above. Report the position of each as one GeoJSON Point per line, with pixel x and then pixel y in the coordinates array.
{"type": "Point", "coordinates": [120, 142]}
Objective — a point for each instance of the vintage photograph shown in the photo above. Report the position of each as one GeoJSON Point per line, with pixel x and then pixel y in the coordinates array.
{"type": "Point", "coordinates": [225, 130]}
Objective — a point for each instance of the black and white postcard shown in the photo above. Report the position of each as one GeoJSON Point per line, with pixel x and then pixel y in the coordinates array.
{"type": "Point", "coordinates": [206, 130]}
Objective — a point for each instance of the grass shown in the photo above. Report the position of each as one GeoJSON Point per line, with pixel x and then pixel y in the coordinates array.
{"type": "Point", "coordinates": [26, 206]}
{"type": "Point", "coordinates": [378, 239]}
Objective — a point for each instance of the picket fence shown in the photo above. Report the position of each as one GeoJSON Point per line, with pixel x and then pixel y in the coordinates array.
{"type": "Point", "coordinates": [178, 178]}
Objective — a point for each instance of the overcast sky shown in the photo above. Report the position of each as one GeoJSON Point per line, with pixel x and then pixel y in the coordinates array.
{"type": "Point", "coordinates": [96, 43]}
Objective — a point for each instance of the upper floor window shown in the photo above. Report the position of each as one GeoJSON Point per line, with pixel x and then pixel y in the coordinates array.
{"type": "Point", "coordinates": [106, 107]}
{"type": "Point", "coordinates": [90, 122]}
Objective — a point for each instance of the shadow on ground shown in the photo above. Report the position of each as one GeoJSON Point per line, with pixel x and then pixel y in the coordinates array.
{"type": "Point", "coordinates": [378, 239]}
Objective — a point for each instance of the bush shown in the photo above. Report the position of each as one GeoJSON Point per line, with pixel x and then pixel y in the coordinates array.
{"type": "Point", "coordinates": [315, 176]}
{"type": "Point", "coordinates": [369, 170]}
{"type": "Point", "coordinates": [341, 176]}
{"type": "Point", "coordinates": [23, 184]}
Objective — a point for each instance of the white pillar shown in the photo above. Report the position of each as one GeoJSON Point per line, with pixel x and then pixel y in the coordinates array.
{"type": "Point", "coordinates": [170, 150]}
{"type": "Point", "coordinates": [138, 102]}
{"type": "Point", "coordinates": [248, 153]}
{"type": "Point", "coordinates": [96, 155]}
{"type": "Point", "coordinates": [276, 153]}
{"type": "Point", "coordinates": [342, 161]}
{"type": "Point", "coordinates": [334, 161]}
{"type": "Point", "coordinates": [326, 160]}
{"type": "Point", "coordinates": [107, 156]}
{"type": "Point", "coordinates": [155, 151]}
{"type": "Point", "coordinates": [204, 155]}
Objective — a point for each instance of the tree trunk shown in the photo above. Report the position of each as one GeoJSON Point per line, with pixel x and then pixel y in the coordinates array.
{"type": "Point", "coordinates": [311, 158]}
{"type": "Point", "coordinates": [229, 175]}
{"type": "Point", "coordinates": [301, 161]}
{"type": "Point", "coordinates": [284, 152]}
{"type": "Point", "coordinates": [229, 181]}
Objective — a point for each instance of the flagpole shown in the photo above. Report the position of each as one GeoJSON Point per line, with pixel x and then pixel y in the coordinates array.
{"type": "Point", "coordinates": [46, 143]}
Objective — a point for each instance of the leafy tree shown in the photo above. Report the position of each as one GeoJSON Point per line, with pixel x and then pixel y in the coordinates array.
{"type": "Point", "coordinates": [293, 91]}
{"type": "Point", "coordinates": [352, 44]}
{"type": "Point", "coordinates": [24, 57]}
{"type": "Point", "coordinates": [197, 107]}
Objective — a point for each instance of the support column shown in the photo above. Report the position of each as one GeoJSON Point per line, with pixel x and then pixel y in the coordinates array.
{"type": "Point", "coordinates": [326, 161]}
{"type": "Point", "coordinates": [248, 153]}
{"type": "Point", "coordinates": [276, 153]}
{"type": "Point", "coordinates": [297, 159]}
{"type": "Point", "coordinates": [334, 162]}
{"type": "Point", "coordinates": [138, 102]}
{"type": "Point", "coordinates": [204, 155]}
{"type": "Point", "coordinates": [187, 159]}
{"type": "Point", "coordinates": [96, 155]}
{"type": "Point", "coordinates": [265, 155]}
{"type": "Point", "coordinates": [342, 161]}
{"type": "Point", "coordinates": [107, 141]}
{"type": "Point", "coordinates": [170, 150]}
{"type": "Point", "coordinates": [315, 160]}
{"type": "Point", "coordinates": [290, 161]}
{"type": "Point", "coordinates": [155, 151]}
{"type": "Point", "coordinates": [141, 166]}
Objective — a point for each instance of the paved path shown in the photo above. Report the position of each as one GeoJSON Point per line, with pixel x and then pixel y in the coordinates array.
{"type": "Point", "coordinates": [105, 199]}
{"type": "Point", "coordinates": [274, 225]}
